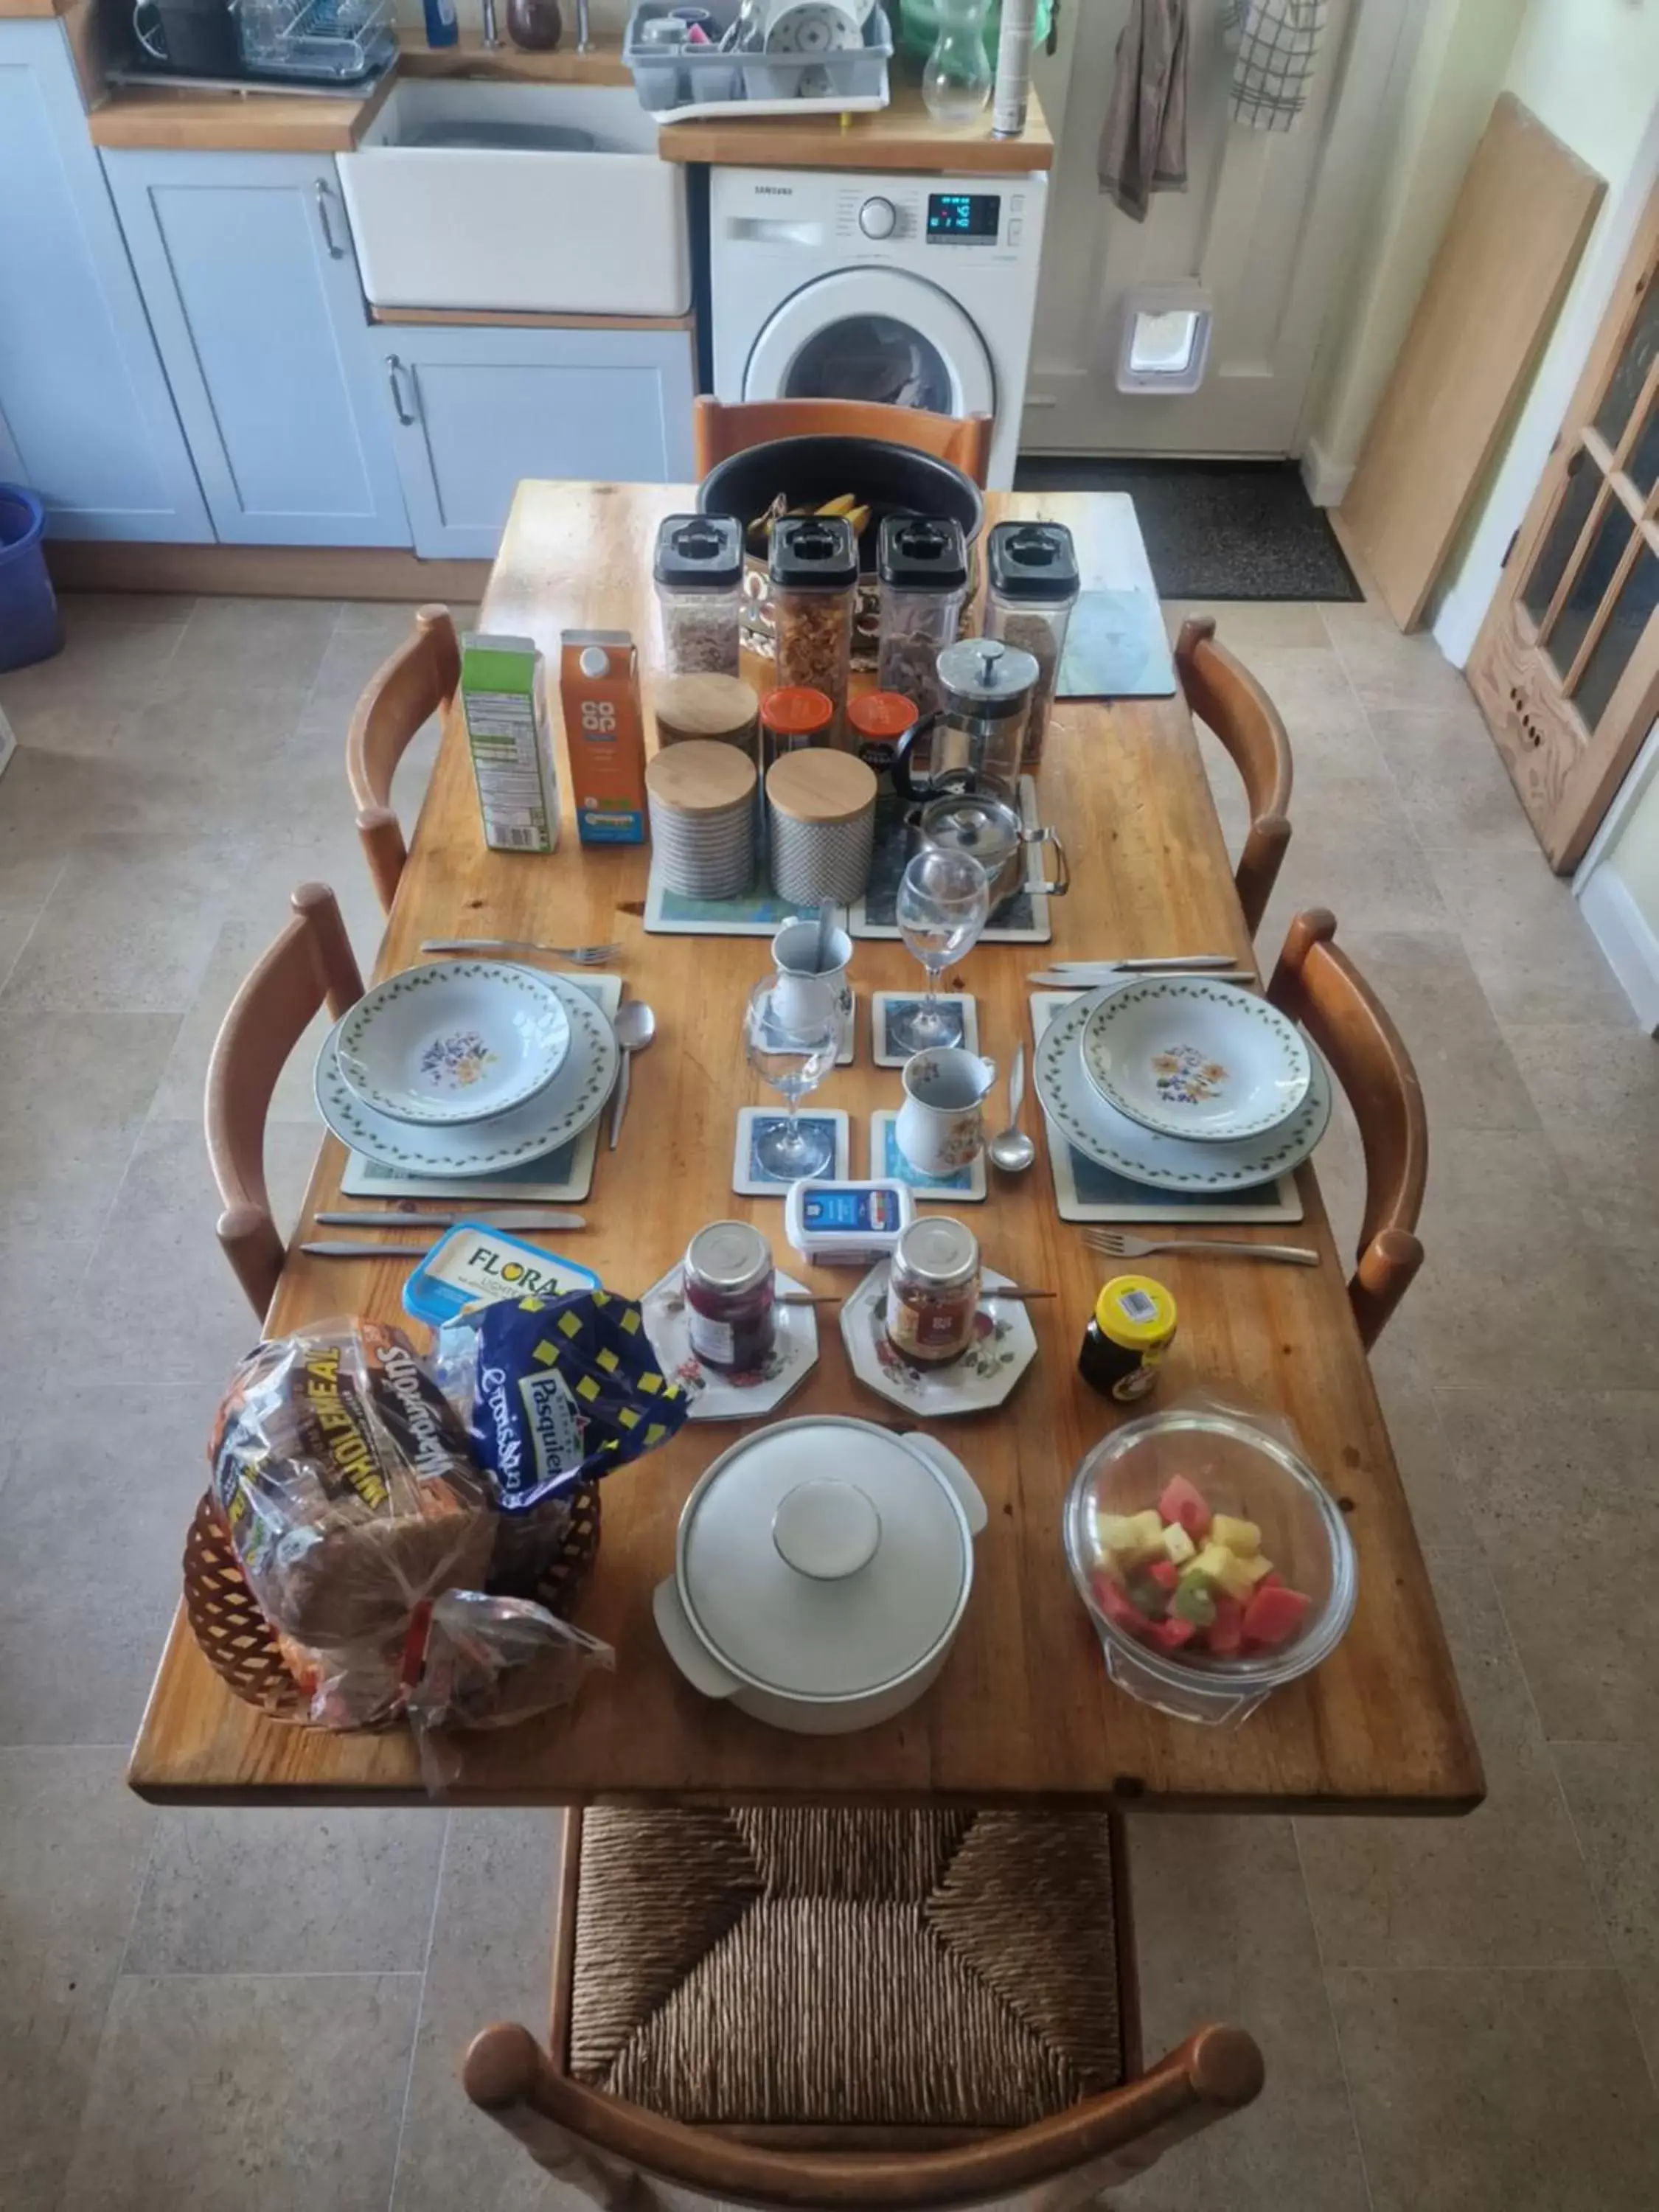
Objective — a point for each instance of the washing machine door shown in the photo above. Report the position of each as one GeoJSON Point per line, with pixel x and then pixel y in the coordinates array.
{"type": "Point", "coordinates": [874, 334]}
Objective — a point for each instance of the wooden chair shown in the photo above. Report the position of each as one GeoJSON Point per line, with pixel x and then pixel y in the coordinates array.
{"type": "Point", "coordinates": [1320, 987]}
{"type": "Point", "coordinates": [819, 2009]}
{"type": "Point", "coordinates": [311, 963]}
{"type": "Point", "coordinates": [718, 431]}
{"type": "Point", "coordinates": [1222, 692]}
{"type": "Point", "coordinates": [418, 680]}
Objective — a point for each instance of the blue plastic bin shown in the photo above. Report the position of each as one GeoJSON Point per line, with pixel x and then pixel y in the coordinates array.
{"type": "Point", "coordinates": [31, 628]}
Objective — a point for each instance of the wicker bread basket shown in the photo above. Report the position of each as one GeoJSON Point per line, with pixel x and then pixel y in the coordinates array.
{"type": "Point", "coordinates": [236, 1639]}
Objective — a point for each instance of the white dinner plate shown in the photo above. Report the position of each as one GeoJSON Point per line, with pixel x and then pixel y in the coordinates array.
{"type": "Point", "coordinates": [1078, 1112]}
{"type": "Point", "coordinates": [562, 1111]}
{"type": "Point", "coordinates": [454, 1041]}
{"type": "Point", "coordinates": [1195, 1058]}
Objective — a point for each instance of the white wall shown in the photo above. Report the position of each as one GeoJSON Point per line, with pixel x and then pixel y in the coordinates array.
{"type": "Point", "coordinates": [1589, 71]}
{"type": "Point", "coordinates": [1435, 107]}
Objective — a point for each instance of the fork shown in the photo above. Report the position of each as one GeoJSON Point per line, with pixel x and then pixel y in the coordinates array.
{"type": "Point", "coordinates": [1117, 1244]}
{"type": "Point", "coordinates": [580, 956]}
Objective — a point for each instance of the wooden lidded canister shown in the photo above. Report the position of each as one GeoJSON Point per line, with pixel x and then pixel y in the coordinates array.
{"type": "Point", "coordinates": [721, 708]}
{"type": "Point", "coordinates": [821, 808]}
{"type": "Point", "coordinates": [702, 797]}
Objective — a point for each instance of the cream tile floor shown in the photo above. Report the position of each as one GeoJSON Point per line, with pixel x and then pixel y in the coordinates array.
{"type": "Point", "coordinates": [241, 2010]}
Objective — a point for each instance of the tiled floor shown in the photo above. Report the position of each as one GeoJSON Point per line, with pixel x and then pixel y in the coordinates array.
{"type": "Point", "coordinates": [245, 2012]}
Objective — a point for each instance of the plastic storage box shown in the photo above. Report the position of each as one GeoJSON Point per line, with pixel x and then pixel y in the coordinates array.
{"type": "Point", "coordinates": [704, 81]}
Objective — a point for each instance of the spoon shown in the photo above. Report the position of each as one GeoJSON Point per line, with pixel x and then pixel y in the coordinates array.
{"type": "Point", "coordinates": [1011, 1149]}
{"type": "Point", "coordinates": [635, 1025]}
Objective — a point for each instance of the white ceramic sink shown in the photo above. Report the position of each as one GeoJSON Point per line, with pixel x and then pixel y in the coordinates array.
{"type": "Point", "coordinates": [467, 194]}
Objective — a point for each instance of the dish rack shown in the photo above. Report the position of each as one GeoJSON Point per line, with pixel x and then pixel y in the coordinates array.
{"type": "Point", "coordinates": [332, 41]}
{"type": "Point", "coordinates": [684, 84]}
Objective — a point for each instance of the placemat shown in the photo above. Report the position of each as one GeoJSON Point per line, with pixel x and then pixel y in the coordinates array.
{"type": "Point", "coordinates": [1085, 1191]}
{"type": "Point", "coordinates": [565, 1174]}
{"type": "Point", "coordinates": [1021, 919]}
{"type": "Point", "coordinates": [1116, 648]}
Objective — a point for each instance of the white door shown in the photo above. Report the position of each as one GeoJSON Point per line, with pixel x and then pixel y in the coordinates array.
{"type": "Point", "coordinates": [1261, 231]}
{"type": "Point", "coordinates": [873, 334]}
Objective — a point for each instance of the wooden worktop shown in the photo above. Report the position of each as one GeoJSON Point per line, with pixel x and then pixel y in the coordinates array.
{"type": "Point", "coordinates": [183, 119]}
{"type": "Point", "coordinates": [901, 136]}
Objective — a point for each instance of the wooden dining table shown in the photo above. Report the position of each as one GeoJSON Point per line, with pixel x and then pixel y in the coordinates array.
{"type": "Point", "coordinates": [1024, 1712]}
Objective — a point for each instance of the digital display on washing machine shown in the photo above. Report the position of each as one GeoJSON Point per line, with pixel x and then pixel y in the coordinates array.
{"type": "Point", "coordinates": [952, 215]}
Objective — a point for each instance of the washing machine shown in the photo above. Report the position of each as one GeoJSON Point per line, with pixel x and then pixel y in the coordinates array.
{"type": "Point", "coordinates": [917, 291]}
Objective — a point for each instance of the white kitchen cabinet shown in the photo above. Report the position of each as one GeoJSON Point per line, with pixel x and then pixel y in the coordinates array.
{"type": "Point", "coordinates": [478, 408]}
{"type": "Point", "coordinates": [86, 420]}
{"type": "Point", "coordinates": [248, 273]}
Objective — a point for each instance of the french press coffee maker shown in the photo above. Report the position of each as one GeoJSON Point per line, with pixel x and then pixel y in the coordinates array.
{"type": "Point", "coordinates": [977, 738]}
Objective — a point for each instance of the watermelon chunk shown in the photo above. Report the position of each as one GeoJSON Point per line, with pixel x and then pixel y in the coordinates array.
{"type": "Point", "coordinates": [1169, 1635]}
{"type": "Point", "coordinates": [1227, 1629]}
{"type": "Point", "coordinates": [1184, 1503]}
{"type": "Point", "coordinates": [1273, 1615]}
{"type": "Point", "coordinates": [1164, 1573]}
{"type": "Point", "coordinates": [1114, 1602]}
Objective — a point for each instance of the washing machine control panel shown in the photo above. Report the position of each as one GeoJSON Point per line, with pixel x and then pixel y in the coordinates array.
{"type": "Point", "coordinates": [913, 221]}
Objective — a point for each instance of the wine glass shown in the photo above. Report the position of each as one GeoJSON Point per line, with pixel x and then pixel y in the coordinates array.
{"type": "Point", "coordinates": [943, 902]}
{"type": "Point", "coordinates": [793, 1053]}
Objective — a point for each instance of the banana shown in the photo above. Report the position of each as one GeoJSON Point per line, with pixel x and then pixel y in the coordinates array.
{"type": "Point", "coordinates": [858, 520]}
{"type": "Point", "coordinates": [844, 505]}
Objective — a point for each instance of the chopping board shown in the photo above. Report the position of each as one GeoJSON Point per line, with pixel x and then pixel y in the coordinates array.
{"type": "Point", "coordinates": [1511, 245]}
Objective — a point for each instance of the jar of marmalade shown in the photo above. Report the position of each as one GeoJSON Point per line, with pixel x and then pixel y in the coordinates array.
{"type": "Point", "coordinates": [730, 1296]}
{"type": "Point", "coordinates": [1130, 1330]}
{"type": "Point", "coordinates": [932, 1290]}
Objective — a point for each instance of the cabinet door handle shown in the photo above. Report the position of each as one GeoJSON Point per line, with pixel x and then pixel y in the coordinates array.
{"type": "Point", "coordinates": [393, 370]}
{"type": "Point", "coordinates": [335, 252]}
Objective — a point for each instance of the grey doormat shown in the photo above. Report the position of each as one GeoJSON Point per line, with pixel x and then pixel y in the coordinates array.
{"type": "Point", "coordinates": [1216, 530]}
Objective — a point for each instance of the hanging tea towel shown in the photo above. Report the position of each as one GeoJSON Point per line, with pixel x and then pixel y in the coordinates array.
{"type": "Point", "coordinates": [1275, 48]}
{"type": "Point", "coordinates": [1143, 148]}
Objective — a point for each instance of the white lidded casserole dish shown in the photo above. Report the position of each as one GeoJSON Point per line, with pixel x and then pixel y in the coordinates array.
{"type": "Point", "coordinates": [822, 1570]}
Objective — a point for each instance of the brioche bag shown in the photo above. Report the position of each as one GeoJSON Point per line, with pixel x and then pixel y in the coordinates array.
{"type": "Point", "coordinates": [555, 1392]}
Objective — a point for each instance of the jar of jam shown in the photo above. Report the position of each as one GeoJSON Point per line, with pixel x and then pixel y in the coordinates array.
{"type": "Point", "coordinates": [1130, 1330]}
{"type": "Point", "coordinates": [730, 1296]}
{"type": "Point", "coordinates": [932, 1290]}
{"type": "Point", "coordinates": [875, 722]}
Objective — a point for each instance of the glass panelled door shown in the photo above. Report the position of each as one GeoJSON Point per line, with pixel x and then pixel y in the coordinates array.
{"type": "Point", "coordinates": [1566, 667]}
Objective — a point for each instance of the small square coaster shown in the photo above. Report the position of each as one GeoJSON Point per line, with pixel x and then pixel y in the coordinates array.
{"type": "Point", "coordinates": [751, 1180]}
{"type": "Point", "coordinates": [886, 1053]}
{"type": "Point", "coordinates": [887, 1164]}
{"type": "Point", "coordinates": [849, 1051]}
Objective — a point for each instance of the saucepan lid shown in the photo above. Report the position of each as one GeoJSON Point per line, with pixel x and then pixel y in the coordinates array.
{"type": "Point", "coordinates": [824, 1557]}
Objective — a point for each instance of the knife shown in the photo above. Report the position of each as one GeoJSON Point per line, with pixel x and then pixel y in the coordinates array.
{"type": "Point", "coordinates": [1150, 966]}
{"type": "Point", "coordinates": [1084, 979]}
{"type": "Point", "coordinates": [511, 1217]}
{"type": "Point", "coordinates": [341, 1247]}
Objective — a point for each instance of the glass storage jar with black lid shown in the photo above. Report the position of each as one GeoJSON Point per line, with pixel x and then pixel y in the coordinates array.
{"type": "Point", "coordinates": [699, 576]}
{"type": "Point", "coordinates": [922, 565]}
{"type": "Point", "coordinates": [1033, 587]}
{"type": "Point", "coordinates": [731, 1291]}
{"type": "Point", "coordinates": [815, 583]}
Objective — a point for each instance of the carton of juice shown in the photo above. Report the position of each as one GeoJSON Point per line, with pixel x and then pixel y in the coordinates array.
{"type": "Point", "coordinates": [512, 747]}
{"type": "Point", "coordinates": [599, 696]}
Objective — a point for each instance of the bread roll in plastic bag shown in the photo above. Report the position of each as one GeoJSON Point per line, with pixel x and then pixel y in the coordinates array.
{"type": "Point", "coordinates": [348, 1487]}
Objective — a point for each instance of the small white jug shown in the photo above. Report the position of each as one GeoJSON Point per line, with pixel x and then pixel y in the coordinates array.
{"type": "Point", "coordinates": [805, 991]}
{"type": "Point", "coordinates": [940, 1126]}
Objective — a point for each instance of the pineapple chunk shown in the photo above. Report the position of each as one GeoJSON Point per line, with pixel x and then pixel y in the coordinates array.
{"type": "Point", "coordinates": [1178, 1545]}
{"type": "Point", "coordinates": [1130, 1536]}
{"type": "Point", "coordinates": [1241, 1536]}
{"type": "Point", "coordinates": [1225, 1569]}
{"type": "Point", "coordinates": [1255, 1567]}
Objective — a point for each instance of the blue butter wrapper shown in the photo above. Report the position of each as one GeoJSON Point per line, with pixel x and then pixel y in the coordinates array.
{"type": "Point", "coordinates": [557, 1392]}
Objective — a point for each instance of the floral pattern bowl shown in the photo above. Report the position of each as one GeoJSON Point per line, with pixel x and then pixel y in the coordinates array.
{"type": "Point", "coordinates": [457, 1041]}
{"type": "Point", "coordinates": [1188, 1056]}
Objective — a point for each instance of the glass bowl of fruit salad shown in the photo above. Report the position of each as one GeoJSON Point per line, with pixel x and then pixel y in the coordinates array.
{"type": "Point", "coordinates": [1215, 1565]}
